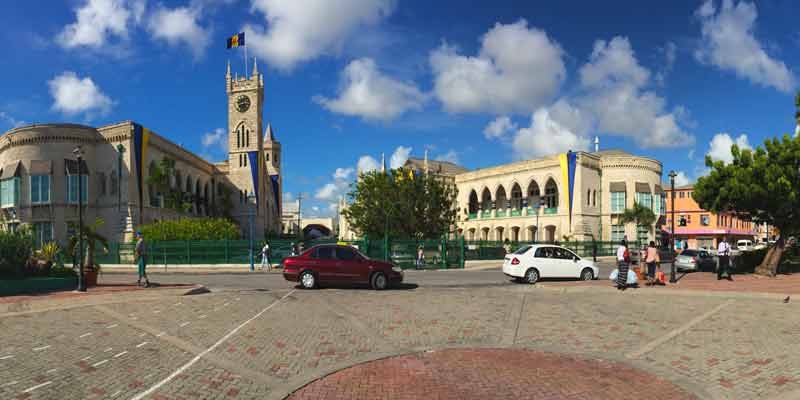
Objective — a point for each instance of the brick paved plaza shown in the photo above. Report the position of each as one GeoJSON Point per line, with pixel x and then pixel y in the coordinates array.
{"type": "Point", "coordinates": [555, 341]}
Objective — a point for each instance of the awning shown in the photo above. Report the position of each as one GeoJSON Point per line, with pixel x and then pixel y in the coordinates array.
{"type": "Point", "coordinates": [71, 167]}
{"type": "Point", "coordinates": [642, 187]}
{"type": "Point", "coordinates": [617, 186]}
{"type": "Point", "coordinates": [659, 190]}
{"type": "Point", "coordinates": [41, 167]}
{"type": "Point", "coordinates": [10, 170]}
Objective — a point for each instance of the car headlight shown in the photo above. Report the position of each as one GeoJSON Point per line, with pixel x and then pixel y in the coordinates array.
{"type": "Point", "coordinates": [395, 268]}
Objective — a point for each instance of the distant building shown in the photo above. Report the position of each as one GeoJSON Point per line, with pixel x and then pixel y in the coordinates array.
{"type": "Point", "coordinates": [697, 228]}
{"type": "Point", "coordinates": [290, 218]}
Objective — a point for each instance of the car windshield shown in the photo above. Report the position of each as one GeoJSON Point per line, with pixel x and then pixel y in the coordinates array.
{"type": "Point", "coordinates": [522, 250]}
{"type": "Point", "coordinates": [689, 253]}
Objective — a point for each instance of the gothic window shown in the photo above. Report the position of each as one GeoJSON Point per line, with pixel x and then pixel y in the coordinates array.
{"type": "Point", "coordinates": [267, 155]}
{"type": "Point", "coordinates": [238, 140]}
{"type": "Point", "coordinates": [247, 138]}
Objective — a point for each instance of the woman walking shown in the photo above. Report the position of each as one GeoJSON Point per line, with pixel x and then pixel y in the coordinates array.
{"type": "Point", "coordinates": [652, 259]}
{"type": "Point", "coordinates": [623, 257]}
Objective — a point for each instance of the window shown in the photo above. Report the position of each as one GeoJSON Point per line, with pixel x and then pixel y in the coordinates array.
{"type": "Point", "coordinates": [594, 197]}
{"type": "Point", "coordinates": [658, 205]}
{"type": "Point", "coordinates": [642, 233]}
{"type": "Point", "coordinates": [645, 199]}
{"type": "Point", "coordinates": [244, 156]}
{"type": "Point", "coordinates": [705, 220]}
{"type": "Point", "coordinates": [663, 204]}
{"type": "Point", "coordinates": [72, 189]}
{"type": "Point", "coordinates": [345, 254]}
{"type": "Point", "coordinates": [588, 197]}
{"type": "Point", "coordinates": [680, 194]}
{"type": "Point", "coordinates": [266, 155]}
{"type": "Point", "coordinates": [40, 189]}
{"type": "Point", "coordinates": [42, 233]}
{"type": "Point", "coordinates": [617, 233]}
{"type": "Point", "coordinates": [544, 252]}
{"type": "Point", "coordinates": [522, 250]}
{"type": "Point", "coordinates": [324, 253]}
{"type": "Point", "coordinates": [9, 192]}
{"type": "Point", "coordinates": [617, 202]}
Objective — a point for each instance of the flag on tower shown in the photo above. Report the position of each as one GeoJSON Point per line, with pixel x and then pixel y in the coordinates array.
{"type": "Point", "coordinates": [236, 40]}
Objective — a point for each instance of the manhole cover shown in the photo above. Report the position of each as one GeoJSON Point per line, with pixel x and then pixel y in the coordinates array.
{"type": "Point", "coordinates": [466, 374]}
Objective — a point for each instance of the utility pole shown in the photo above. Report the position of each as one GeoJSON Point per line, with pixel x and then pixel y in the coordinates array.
{"type": "Point", "coordinates": [299, 207]}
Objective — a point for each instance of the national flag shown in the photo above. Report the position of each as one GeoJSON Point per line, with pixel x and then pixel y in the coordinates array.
{"type": "Point", "coordinates": [236, 40]}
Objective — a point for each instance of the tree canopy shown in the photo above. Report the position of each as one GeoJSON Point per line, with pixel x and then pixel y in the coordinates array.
{"type": "Point", "coordinates": [408, 205]}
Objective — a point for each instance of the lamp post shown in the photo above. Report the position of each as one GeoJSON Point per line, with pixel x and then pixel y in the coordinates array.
{"type": "Point", "coordinates": [250, 215]}
{"type": "Point", "coordinates": [120, 150]}
{"type": "Point", "coordinates": [81, 281]}
{"type": "Point", "coordinates": [672, 175]}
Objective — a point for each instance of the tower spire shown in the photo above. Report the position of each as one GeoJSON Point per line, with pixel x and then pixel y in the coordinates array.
{"type": "Point", "coordinates": [228, 73]}
{"type": "Point", "coordinates": [383, 163]}
{"type": "Point", "coordinates": [268, 137]}
{"type": "Point", "coordinates": [425, 162]}
{"type": "Point", "coordinates": [255, 67]}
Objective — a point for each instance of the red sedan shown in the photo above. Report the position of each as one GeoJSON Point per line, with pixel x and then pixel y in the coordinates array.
{"type": "Point", "coordinates": [339, 264]}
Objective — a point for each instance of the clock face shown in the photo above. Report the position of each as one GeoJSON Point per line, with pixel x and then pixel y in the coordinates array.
{"type": "Point", "coordinates": [242, 103]}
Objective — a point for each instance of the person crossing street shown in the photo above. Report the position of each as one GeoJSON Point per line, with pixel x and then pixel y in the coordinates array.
{"type": "Point", "coordinates": [141, 259]}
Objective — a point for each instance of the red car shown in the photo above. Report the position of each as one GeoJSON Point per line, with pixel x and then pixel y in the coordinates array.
{"type": "Point", "coordinates": [339, 264]}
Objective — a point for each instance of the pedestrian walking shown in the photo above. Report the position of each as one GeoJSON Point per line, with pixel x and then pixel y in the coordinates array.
{"type": "Point", "coordinates": [420, 257]}
{"type": "Point", "coordinates": [623, 258]}
{"type": "Point", "coordinates": [652, 259]}
{"type": "Point", "coordinates": [724, 254]}
{"type": "Point", "coordinates": [141, 259]}
{"type": "Point", "coordinates": [265, 254]}
{"type": "Point", "coordinates": [507, 246]}
{"type": "Point", "coordinates": [594, 250]}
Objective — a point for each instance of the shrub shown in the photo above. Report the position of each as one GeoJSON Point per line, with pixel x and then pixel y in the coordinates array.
{"type": "Point", "coordinates": [747, 261]}
{"type": "Point", "coordinates": [191, 229]}
{"type": "Point", "coordinates": [16, 249]}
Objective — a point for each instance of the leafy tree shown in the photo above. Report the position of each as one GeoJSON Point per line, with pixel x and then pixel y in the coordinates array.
{"type": "Point", "coordinates": [91, 238]}
{"type": "Point", "coordinates": [160, 179]}
{"type": "Point", "coordinates": [763, 184]}
{"type": "Point", "coordinates": [410, 206]}
{"type": "Point", "coordinates": [639, 214]}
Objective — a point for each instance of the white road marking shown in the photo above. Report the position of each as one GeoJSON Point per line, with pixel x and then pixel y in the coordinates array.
{"type": "Point", "coordinates": [156, 311]}
{"type": "Point", "coordinates": [99, 363]}
{"type": "Point", "coordinates": [116, 393]}
{"type": "Point", "coordinates": [202, 316]}
{"type": "Point", "coordinates": [141, 344]}
{"type": "Point", "coordinates": [142, 334]}
{"type": "Point", "coordinates": [191, 362]}
{"type": "Point", "coordinates": [161, 334]}
{"type": "Point", "coordinates": [42, 348]}
{"type": "Point", "coordinates": [184, 324]}
{"type": "Point", "coordinates": [120, 354]}
{"type": "Point", "coordinates": [238, 298]}
{"type": "Point", "coordinates": [30, 389]}
{"type": "Point", "coordinates": [6, 357]}
{"type": "Point", "coordinates": [11, 383]}
{"type": "Point", "coordinates": [112, 326]}
{"type": "Point", "coordinates": [107, 350]}
{"type": "Point", "coordinates": [177, 304]}
{"type": "Point", "coordinates": [225, 304]}
{"type": "Point", "coordinates": [134, 318]}
{"type": "Point", "coordinates": [51, 371]}
{"type": "Point", "coordinates": [85, 335]}
{"type": "Point", "coordinates": [86, 358]}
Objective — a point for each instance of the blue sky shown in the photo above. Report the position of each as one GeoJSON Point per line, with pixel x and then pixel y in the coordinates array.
{"type": "Point", "coordinates": [479, 84]}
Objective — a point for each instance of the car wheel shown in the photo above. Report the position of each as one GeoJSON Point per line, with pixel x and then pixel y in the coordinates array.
{"type": "Point", "coordinates": [379, 281]}
{"type": "Point", "coordinates": [587, 274]}
{"type": "Point", "coordinates": [308, 280]}
{"type": "Point", "coordinates": [532, 275]}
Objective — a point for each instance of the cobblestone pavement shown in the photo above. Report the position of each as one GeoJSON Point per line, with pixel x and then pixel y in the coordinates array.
{"type": "Point", "coordinates": [251, 344]}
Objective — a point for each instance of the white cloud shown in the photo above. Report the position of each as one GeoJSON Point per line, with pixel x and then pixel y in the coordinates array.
{"type": "Point", "coordinates": [546, 136]}
{"type": "Point", "coordinates": [366, 92]}
{"type": "Point", "coordinates": [342, 173]}
{"type": "Point", "coordinates": [15, 123]}
{"type": "Point", "coordinates": [681, 179]}
{"type": "Point", "coordinates": [367, 164]}
{"type": "Point", "coordinates": [179, 25]}
{"type": "Point", "coordinates": [614, 83]}
{"type": "Point", "coordinates": [720, 146]}
{"type": "Point", "coordinates": [216, 138]}
{"type": "Point", "coordinates": [450, 156]}
{"type": "Point", "coordinates": [299, 31]}
{"type": "Point", "coordinates": [797, 130]}
{"type": "Point", "coordinates": [729, 43]}
{"type": "Point", "coordinates": [288, 197]}
{"type": "Point", "coordinates": [691, 154]}
{"type": "Point", "coordinates": [670, 54]}
{"type": "Point", "coordinates": [499, 127]}
{"type": "Point", "coordinates": [73, 95]}
{"type": "Point", "coordinates": [333, 208]}
{"type": "Point", "coordinates": [327, 192]}
{"type": "Point", "coordinates": [516, 70]}
{"type": "Point", "coordinates": [97, 21]}
{"type": "Point", "coordinates": [399, 157]}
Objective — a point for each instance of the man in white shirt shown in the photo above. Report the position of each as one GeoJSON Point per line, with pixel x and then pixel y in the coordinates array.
{"type": "Point", "coordinates": [724, 254]}
{"type": "Point", "coordinates": [265, 257]}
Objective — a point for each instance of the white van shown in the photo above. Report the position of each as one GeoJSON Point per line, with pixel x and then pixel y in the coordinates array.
{"type": "Point", "coordinates": [744, 245]}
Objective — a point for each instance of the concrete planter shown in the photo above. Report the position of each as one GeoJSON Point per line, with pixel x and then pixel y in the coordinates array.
{"type": "Point", "coordinates": [12, 287]}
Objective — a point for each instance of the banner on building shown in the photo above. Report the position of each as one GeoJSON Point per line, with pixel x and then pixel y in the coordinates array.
{"type": "Point", "coordinates": [568, 163]}
{"type": "Point", "coordinates": [141, 136]}
{"type": "Point", "coordinates": [255, 166]}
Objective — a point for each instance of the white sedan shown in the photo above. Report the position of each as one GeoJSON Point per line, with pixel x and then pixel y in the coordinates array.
{"type": "Point", "coordinates": [533, 262]}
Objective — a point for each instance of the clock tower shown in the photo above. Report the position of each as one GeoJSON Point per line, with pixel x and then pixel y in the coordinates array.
{"type": "Point", "coordinates": [245, 144]}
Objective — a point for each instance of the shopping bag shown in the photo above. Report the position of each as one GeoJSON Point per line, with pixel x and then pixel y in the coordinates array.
{"type": "Point", "coordinates": [660, 278]}
{"type": "Point", "coordinates": [614, 275]}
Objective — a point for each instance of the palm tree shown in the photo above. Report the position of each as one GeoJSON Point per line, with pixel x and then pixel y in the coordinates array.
{"type": "Point", "coordinates": [91, 238]}
{"type": "Point", "coordinates": [639, 214]}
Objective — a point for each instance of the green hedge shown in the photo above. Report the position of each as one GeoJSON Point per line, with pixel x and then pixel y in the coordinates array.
{"type": "Point", "coordinates": [191, 229]}
{"type": "Point", "coordinates": [16, 248]}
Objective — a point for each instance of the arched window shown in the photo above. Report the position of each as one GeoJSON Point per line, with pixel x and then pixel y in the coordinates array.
{"type": "Point", "coordinates": [516, 197]}
{"type": "Point", "coordinates": [473, 203]}
{"type": "Point", "coordinates": [594, 198]}
{"type": "Point", "coordinates": [238, 140]}
{"type": "Point", "coordinates": [533, 194]}
{"type": "Point", "coordinates": [551, 194]}
{"type": "Point", "coordinates": [588, 197]}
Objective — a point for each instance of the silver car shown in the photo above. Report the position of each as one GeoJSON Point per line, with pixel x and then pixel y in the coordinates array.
{"type": "Point", "coordinates": [695, 260]}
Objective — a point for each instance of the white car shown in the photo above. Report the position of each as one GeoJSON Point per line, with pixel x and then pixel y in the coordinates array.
{"type": "Point", "coordinates": [533, 262]}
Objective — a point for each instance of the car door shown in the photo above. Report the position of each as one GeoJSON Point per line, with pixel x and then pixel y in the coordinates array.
{"type": "Point", "coordinates": [565, 265]}
{"type": "Point", "coordinates": [706, 262]}
{"type": "Point", "coordinates": [545, 262]}
{"type": "Point", "coordinates": [348, 266]}
{"type": "Point", "coordinates": [325, 263]}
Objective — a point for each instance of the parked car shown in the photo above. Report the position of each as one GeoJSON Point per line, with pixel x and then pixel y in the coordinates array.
{"type": "Point", "coordinates": [533, 262]}
{"type": "Point", "coordinates": [744, 245]}
{"type": "Point", "coordinates": [695, 260]}
{"type": "Point", "coordinates": [329, 263]}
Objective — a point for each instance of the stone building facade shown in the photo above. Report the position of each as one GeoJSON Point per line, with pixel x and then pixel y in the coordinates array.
{"type": "Point", "coordinates": [577, 196]}
{"type": "Point", "coordinates": [39, 173]}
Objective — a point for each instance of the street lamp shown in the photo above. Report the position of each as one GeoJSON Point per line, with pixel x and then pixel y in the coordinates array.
{"type": "Point", "coordinates": [672, 175]}
{"type": "Point", "coordinates": [78, 152]}
{"type": "Point", "coordinates": [250, 215]}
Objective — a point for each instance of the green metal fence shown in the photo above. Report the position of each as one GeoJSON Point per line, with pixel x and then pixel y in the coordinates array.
{"type": "Point", "coordinates": [494, 250]}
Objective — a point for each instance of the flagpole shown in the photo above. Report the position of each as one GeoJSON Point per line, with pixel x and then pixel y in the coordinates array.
{"type": "Point", "coordinates": [245, 61]}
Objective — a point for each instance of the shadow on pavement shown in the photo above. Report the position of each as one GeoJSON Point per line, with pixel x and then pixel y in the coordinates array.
{"type": "Point", "coordinates": [402, 286]}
